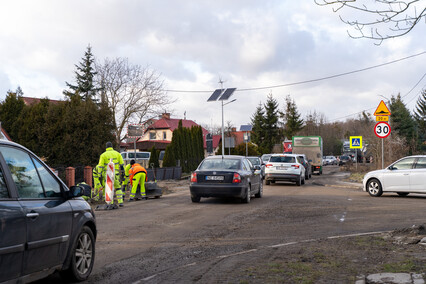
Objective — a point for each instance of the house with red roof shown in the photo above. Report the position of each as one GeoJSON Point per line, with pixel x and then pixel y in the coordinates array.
{"type": "Point", "coordinates": [160, 133]}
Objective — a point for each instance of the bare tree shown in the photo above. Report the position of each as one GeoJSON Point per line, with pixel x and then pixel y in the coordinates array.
{"type": "Point", "coordinates": [381, 19]}
{"type": "Point", "coordinates": [132, 92]}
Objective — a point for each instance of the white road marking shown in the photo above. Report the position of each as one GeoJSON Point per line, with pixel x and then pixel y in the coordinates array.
{"type": "Point", "coordinates": [253, 250]}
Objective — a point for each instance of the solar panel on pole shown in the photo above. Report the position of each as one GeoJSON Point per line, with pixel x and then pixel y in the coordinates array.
{"type": "Point", "coordinates": [228, 92]}
{"type": "Point", "coordinates": [215, 95]}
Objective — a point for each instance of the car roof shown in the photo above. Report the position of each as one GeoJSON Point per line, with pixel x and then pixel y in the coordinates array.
{"type": "Point", "coordinates": [225, 157]}
{"type": "Point", "coordinates": [285, 154]}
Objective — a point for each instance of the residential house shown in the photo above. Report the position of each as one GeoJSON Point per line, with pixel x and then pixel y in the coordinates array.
{"type": "Point", "coordinates": [160, 133]}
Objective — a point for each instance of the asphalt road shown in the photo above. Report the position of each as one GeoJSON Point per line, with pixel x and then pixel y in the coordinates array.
{"type": "Point", "coordinates": [171, 239]}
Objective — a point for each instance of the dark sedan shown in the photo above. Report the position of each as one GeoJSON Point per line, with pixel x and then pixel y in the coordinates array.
{"type": "Point", "coordinates": [226, 176]}
{"type": "Point", "coordinates": [44, 226]}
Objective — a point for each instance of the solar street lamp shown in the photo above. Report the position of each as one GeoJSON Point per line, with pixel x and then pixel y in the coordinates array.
{"type": "Point", "coordinates": [222, 95]}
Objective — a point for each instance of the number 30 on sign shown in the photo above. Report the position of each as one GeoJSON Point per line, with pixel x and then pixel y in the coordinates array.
{"type": "Point", "coordinates": [382, 129]}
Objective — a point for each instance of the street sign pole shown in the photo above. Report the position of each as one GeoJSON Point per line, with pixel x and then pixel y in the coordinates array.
{"type": "Point", "coordinates": [382, 129]}
{"type": "Point", "coordinates": [382, 155]}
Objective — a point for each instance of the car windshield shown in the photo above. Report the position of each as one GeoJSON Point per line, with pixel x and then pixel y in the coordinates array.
{"type": "Point", "coordinates": [282, 159]}
{"type": "Point", "coordinates": [254, 161]}
{"type": "Point", "coordinates": [220, 164]}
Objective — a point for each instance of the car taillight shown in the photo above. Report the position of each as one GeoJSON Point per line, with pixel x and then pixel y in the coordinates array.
{"type": "Point", "coordinates": [236, 178]}
{"type": "Point", "coordinates": [194, 177]}
{"type": "Point", "coordinates": [268, 165]}
{"type": "Point", "coordinates": [295, 166]}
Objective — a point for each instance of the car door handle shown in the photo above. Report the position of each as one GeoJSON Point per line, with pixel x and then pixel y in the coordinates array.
{"type": "Point", "coordinates": [32, 215]}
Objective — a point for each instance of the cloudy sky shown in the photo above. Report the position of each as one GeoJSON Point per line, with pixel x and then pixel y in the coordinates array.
{"type": "Point", "coordinates": [251, 45]}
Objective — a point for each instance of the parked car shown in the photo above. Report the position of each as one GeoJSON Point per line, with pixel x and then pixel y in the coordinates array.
{"type": "Point", "coordinates": [45, 226]}
{"type": "Point", "coordinates": [227, 176]}
{"type": "Point", "coordinates": [257, 161]}
{"type": "Point", "coordinates": [306, 164]}
{"type": "Point", "coordinates": [284, 167]}
{"type": "Point", "coordinates": [344, 160]}
{"type": "Point", "coordinates": [407, 175]}
{"type": "Point", "coordinates": [330, 160]}
{"type": "Point", "coordinates": [265, 157]}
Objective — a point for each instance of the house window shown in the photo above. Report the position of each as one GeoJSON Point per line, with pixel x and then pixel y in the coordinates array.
{"type": "Point", "coordinates": [152, 136]}
{"type": "Point", "coordinates": [164, 135]}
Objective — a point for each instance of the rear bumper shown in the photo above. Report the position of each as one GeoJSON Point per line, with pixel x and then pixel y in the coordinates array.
{"type": "Point", "coordinates": [281, 177]}
{"type": "Point", "coordinates": [218, 190]}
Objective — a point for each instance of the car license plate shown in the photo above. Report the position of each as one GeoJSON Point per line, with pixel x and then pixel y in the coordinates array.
{"type": "Point", "coordinates": [215, 177]}
{"type": "Point", "coordinates": [282, 168]}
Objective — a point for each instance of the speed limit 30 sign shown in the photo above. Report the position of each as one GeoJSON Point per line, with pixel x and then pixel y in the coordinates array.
{"type": "Point", "coordinates": [382, 129]}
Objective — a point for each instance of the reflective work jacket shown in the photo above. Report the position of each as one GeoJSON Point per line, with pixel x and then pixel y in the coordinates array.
{"type": "Point", "coordinates": [97, 177]}
{"type": "Point", "coordinates": [126, 174]}
{"type": "Point", "coordinates": [136, 168]}
{"type": "Point", "coordinates": [110, 153]}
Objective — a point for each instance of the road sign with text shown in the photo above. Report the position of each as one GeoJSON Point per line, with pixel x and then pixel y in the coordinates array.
{"type": "Point", "coordinates": [382, 129]}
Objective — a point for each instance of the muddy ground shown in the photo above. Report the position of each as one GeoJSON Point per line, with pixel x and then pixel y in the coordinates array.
{"type": "Point", "coordinates": [291, 235]}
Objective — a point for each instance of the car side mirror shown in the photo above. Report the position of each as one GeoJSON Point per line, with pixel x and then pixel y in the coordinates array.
{"type": "Point", "coordinates": [75, 191]}
{"type": "Point", "coordinates": [257, 168]}
{"type": "Point", "coordinates": [391, 168]}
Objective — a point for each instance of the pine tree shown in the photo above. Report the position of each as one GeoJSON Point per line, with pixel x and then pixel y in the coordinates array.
{"type": "Point", "coordinates": [10, 110]}
{"type": "Point", "coordinates": [402, 122]}
{"type": "Point", "coordinates": [270, 124]}
{"type": "Point", "coordinates": [258, 129]}
{"type": "Point", "coordinates": [420, 118]}
{"type": "Point", "coordinates": [292, 118]}
{"type": "Point", "coordinates": [153, 159]}
{"type": "Point", "coordinates": [84, 78]}
{"type": "Point", "coordinates": [169, 159]}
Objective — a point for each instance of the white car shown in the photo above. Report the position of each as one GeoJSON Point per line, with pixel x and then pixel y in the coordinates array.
{"type": "Point", "coordinates": [407, 175]}
{"type": "Point", "coordinates": [284, 167]}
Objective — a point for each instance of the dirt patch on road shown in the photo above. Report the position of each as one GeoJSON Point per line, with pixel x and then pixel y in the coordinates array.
{"type": "Point", "coordinates": [341, 260]}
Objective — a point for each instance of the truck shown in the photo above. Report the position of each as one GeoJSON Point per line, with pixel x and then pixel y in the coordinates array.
{"type": "Point", "coordinates": [311, 146]}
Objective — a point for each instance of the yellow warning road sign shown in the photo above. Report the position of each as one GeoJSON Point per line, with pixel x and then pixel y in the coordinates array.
{"type": "Point", "coordinates": [382, 118]}
{"type": "Point", "coordinates": [382, 109]}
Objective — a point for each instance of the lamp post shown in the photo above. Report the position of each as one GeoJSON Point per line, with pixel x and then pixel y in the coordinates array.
{"type": "Point", "coordinates": [223, 136]}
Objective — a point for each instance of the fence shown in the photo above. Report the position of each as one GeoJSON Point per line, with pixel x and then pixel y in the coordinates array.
{"type": "Point", "coordinates": [72, 176]}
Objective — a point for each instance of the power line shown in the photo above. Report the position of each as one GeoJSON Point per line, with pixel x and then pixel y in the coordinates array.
{"type": "Point", "coordinates": [418, 82]}
{"type": "Point", "coordinates": [309, 81]}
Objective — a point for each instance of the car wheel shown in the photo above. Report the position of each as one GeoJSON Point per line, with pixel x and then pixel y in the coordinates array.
{"type": "Point", "coordinates": [82, 256]}
{"type": "Point", "coordinates": [303, 180]}
{"type": "Point", "coordinates": [195, 199]}
{"type": "Point", "coordinates": [374, 188]}
{"type": "Point", "coordinates": [260, 193]}
{"type": "Point", "coordinates": [267, 182]}
{"type": "Point", "coordinates": [246, 199]}
{"type": "Point", "coordinates": [402, 193]}
{"type": "Point", "coordinates": [299, 181]}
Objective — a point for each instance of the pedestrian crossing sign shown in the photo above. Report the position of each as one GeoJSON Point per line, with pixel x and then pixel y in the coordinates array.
{"type": "Point", "coordinates": [355, 142]}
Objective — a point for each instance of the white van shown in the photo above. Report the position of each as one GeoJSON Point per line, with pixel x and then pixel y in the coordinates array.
{"type": "Point", "coordinates": [141, 157]}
